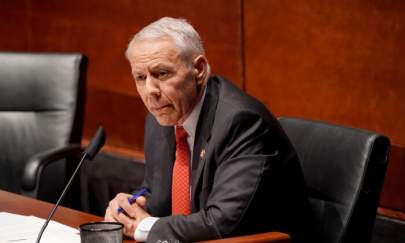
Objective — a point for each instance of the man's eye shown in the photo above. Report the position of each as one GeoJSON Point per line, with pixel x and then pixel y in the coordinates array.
{"type": "Point", "coordinates": [140, 78]}
{"type": "Point", "coordinates": [162, 74]}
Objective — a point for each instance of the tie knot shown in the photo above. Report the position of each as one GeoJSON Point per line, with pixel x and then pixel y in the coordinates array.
{"type": "Point", "coordinates": [181, 134]}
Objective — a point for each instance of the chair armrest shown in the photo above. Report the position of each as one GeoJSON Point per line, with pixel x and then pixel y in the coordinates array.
{"type": "Point", "coordinates": [35, 165]}
{"type": "Point", "coordinates": [255, 238]}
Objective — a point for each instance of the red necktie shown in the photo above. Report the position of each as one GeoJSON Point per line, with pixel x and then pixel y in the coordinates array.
{"type": "Point", "coordinates": [180, 181]}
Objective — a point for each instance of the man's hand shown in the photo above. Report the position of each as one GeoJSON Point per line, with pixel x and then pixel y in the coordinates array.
{"type": "Point", "coordinates": [132, 215]}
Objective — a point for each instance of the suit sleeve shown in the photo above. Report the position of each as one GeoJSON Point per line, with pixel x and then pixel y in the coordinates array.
{"type": "Point", "coordinates": [148, 177]}
{"type": "Point", "coordinates": [240, 155]}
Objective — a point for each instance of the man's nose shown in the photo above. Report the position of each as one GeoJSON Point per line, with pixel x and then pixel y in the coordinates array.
{"type": "Point", "coordinates": [152, 86]}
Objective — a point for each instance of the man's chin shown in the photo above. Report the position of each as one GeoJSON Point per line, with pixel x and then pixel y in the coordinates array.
{"type": "Point", "coordinates": [165, 120]}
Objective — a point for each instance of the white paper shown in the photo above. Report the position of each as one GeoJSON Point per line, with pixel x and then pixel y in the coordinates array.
{"type": "Point", "coordinates": [15, 228]}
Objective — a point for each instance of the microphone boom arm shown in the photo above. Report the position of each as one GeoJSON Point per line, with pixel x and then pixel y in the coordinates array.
{"type": "Point", "coordinates": [92, 149]}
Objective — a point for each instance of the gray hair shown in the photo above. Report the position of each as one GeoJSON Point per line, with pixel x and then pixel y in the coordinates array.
{"type": "Point", "coordinates": [183, 34]}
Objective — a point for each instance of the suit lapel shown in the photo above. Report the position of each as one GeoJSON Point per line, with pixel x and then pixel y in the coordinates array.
{"type": "Point", "coordinates": [169, 151]}
{"type": "Point", "coordinates": [203, 134]}
{"type": "Point", "coordinates": [168, 154]}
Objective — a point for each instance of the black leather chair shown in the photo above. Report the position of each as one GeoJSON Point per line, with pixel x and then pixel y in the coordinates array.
{"type": "Point", "coordinates": [41, 118]}
{"type": "Point", "coordinates": [344, 170]}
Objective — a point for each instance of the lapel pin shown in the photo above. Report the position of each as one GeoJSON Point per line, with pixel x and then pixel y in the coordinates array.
{"type": "Point", "coordinates": [202, 154]}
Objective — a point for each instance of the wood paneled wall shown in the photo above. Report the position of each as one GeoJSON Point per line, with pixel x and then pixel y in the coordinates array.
{"type": "Point", "coordinates": [102, 29]}
{"type": "Point", "coordinates": [340, 61]}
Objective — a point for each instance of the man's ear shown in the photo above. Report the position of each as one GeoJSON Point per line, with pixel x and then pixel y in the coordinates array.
{"type": "Point", "coordinates": [200, 68]}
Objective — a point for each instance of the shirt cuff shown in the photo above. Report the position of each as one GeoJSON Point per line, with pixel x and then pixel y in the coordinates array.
{"type": "Point", "coordinates": [143, 229]}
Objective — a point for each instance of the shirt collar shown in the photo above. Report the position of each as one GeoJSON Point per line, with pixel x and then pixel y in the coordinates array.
{"type": "Point", "coordinates": [190, 124]}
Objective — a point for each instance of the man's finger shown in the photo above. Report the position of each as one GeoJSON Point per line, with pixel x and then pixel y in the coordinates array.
{"type": "Point", "coordinates": [120, 201]}
{"type": "Point", "coordinates": [108, 216]}
{"type": "Point", "coordinates": [141, 201]}
{"type": "Point", "coordinates": [129, 231]}
{"type": "Point", "coordinates": [128, 208]}
{"type": "Point", "coordinates": [126, 221]}
{"type": "Point", "coordinates": [141, 214]}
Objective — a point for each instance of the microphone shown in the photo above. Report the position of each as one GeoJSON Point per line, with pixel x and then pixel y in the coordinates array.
{"type": "Point", "coordinates": [89, 153]}
{"type": "Point", "coordinates": [95, 144]}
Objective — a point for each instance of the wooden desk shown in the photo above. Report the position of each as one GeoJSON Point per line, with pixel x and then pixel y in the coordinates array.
{"type": "Point", "coordinates": [13, 203]}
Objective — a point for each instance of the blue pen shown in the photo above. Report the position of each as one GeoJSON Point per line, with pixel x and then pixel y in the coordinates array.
{"type": "Point", "coordinates": [132, 199]}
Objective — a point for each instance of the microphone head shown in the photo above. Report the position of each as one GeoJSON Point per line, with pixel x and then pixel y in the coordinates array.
{"type": "Point", "coordinates": [96, 143]}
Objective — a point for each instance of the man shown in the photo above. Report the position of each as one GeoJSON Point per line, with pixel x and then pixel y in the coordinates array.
{"type": "Point", "coordinates": [229, 170]}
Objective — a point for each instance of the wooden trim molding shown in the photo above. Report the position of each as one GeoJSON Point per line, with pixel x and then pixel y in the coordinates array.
{"type": "Point", "coordinates": [391, 213]}
{"type": "Point", "coordinates": [120, 151]}
{"type": "Point", "coordinates": [255, 238]}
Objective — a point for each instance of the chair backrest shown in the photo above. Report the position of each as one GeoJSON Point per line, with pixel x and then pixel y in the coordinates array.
{"type": "Point", "coordinates": [41, 108]}
{"type": "Point", "coordinates": [344, 171]}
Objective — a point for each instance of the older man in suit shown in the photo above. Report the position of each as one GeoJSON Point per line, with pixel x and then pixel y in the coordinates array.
{"type": "Point", "coordinates": [218, 164]}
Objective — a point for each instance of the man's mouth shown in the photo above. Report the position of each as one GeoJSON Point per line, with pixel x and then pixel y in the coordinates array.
{"type": "Point", "coordinates": [161, 107]}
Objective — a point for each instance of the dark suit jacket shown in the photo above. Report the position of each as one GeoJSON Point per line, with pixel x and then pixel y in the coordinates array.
{"type": "Point", "coordinates": [248, 180]}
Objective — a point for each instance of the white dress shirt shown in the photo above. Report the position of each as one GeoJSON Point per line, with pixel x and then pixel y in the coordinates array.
{"type": "Point", "coordinates": [190, 125]}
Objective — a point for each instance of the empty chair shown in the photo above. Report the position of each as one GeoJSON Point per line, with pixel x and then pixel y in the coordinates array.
{"type": "Point", "coordinates": [41, 116]}
{"type": "Point", "coordinates": [344, 171]}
